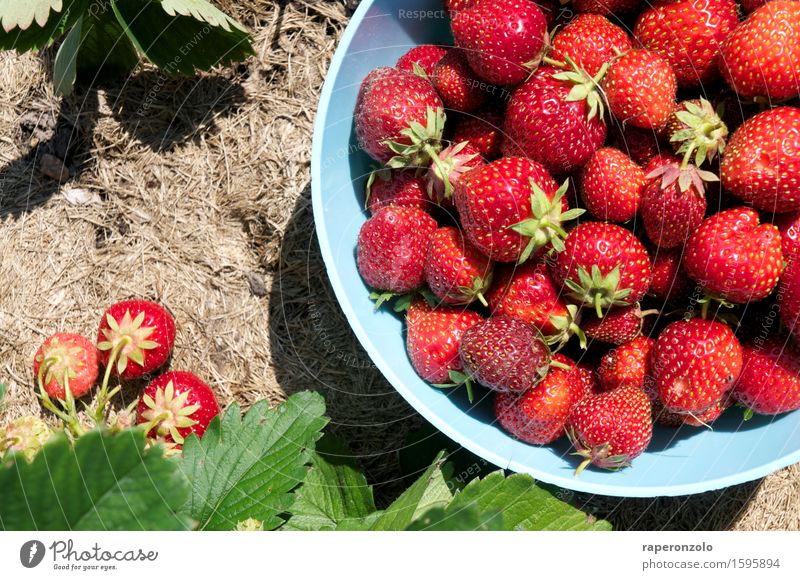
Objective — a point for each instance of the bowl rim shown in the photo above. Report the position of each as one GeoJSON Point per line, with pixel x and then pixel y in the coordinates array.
{"type": "Point", "coordinates": [399, 385]}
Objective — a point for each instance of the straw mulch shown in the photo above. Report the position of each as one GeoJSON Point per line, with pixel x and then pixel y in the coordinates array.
{"type": "Point", "coordinates": [195, 192]}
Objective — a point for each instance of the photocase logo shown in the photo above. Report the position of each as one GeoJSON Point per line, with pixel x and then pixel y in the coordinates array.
{"type": "Point", "coordinates": [31, 553]}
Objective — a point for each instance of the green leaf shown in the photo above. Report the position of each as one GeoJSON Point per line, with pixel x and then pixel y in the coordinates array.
{"type": "Point", "coordinates": [105, 51]}
{"type": "Point", "coordinates": [247, 467]}
{"type": "Point", "coordinates": [333, 492]}
{"type": "Point", "coordinates": [104, 482]}
{"type": "Point", "coordinates": [524, 504]}
{"type": "Point", "coordinates": [458, 520]}
{"type": "Point", "coordinates": [34, 24]}
{"type": "Point", "coordinates": [3, 391]}
{"type": "Point", "coordinates": [181, 36]}
{"type": "Point", "coordinates": [64, 67]}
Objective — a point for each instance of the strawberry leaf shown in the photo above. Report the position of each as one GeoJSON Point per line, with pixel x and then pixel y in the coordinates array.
{"type": "Point", "coordinates": [247, 467]}
{"type": "Point", "coordinates": [3, 391]}
{"type": "Point", "coordinates": [458, 520]}
{"type": "Point", "coordinates": [34, 24]}
{"type": "Point", "coordinates": [104, 482]}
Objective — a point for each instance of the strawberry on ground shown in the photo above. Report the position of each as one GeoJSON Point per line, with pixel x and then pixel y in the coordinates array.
{"type": "Point", "coordinates": [445, 172]}
{"type": "Point", "coordinates": [611, 185]}
{"type": "Point", "coordinates": [392, 246]}
{"type": "Point", "coordinates": [175, 405]}
{"type": "Point", "coordinates": [670, 282]}
{"type": "Point", "coordinates": [628, 365]}
{"type": "Point", "coordinates": [611, 429]}
{"type": "Point", "coordinates": [426, 56]}
{"type": "Point", "coordinates": [66, 359]}
{"type": "Point", "coordinates": [433, 336]}
{"type": "Point", "coordinates": [538, 415]}
{"type": "Point", "coordinates": [455, 271]}
{"type": "Point", "coordinates": [695, 363]}
{"type": "Point", "coordinates": [457, 85]}
{"type": "Point", "coordinates": [504, 354]}
{"type": "Point", "coordinates": [503, 39]}
{"type": "Point", "coordinates": [482, 131]}
{"type": "Point", "coordinates": [770, 379]}
{"type": "Point", "coordinates": [734, 256]}
{"type": "Point", "coordinates": [591, 41]}
{"type": "Point", "coordinates": [619, 325]}
{"type": "Point", "coordinates": [396, 187]}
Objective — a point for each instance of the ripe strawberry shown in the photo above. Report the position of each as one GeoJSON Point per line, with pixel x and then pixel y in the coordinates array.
{"type": "Point", "coordinates": [770, 379]}
{"type": "Point", "coordinates": [390, 103]}
{"type": "Point", "coordinates": [761, 165]}
{"type": "Point", "coordinates": [538, 415]}
{"type": "Point", "coordinates": [712, 414]}
{"type": "Point", "coordinates": [503, 39]}
{"type": "Point", "coordinates": [611, 429]}
{"type": "Point", "coordinates": [761, 57]}
{"type": "Point", "coordinates": [603, 265]}
{"type": "Point", "coordinates": [670, 282]}
{"type": "Point", "coordinates": [425, 56]}
{"type": "Point", "coordinates": [455, 271]}
{"type": "Point", "coordinates": [135, 338]}
{"type": "Point", "coordinates": [589, 379]}
{"type": "Point", "coordinates": [695, 363]}
{"type": "Point", "coordinates": [789, 226]}
{"type": "Point", "coordinates": [504, 354]}
{"type": "Point", "coordinates": [445, 170]}
{"type": "Point", "coordinates": [527, 292]}
{"type": "Point", "coordinates": [175, 405]}
{"type": "Point", "coordinates": [511, 207]}
{"type": "Point", "coordinates": [734, 256]}
{"type": "Point", "coordinates": [673, 200]}
{"type": "Point", "coordinates": [456, 84]}
{"type": "Point", "coordinates": [387, 187]}
{"type": "Point", "coordinates": [640, 88]}
{"type": "Point", "coordinates": [628, 365]}
{"type": "Point", "coordinates": [611, 185]}
{"type": "Point", "coordinates": [392, 245]}
{"type": "Point", "coordinates": [789, 298]}
{"type": "Point", "coordinates": [66, 359]}
{"type": "Point", "coordinates": [482, 131]}
{"type": "Point", "coordinates": [688, 34]}
{"type": "Point", "coordinates": [455, 6]}
{"type": "Point", "coordinates": [555, 118]}
{"type": "Point", "coordinates": [640, 144]}
{"type": "Point", "coordinates": [591, 41]}
{"type": "Point", "coordinates": [621, 324]}
{"type": "Point", "coordinates": [696, 131]}
{"type": "Point", "coordinates": [750, 5]}
{"type": "Point", "coordinates": [433, 337]}
{"type": "Point", "coordinates": [605, 7]}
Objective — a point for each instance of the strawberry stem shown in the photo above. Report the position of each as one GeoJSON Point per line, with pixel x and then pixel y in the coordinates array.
{"type": "Point", "coordinates": [69, 414]}
{"type": "Point", "coordinates": [103, 397]}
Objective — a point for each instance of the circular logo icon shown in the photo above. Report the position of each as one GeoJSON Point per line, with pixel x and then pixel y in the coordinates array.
{"type": "Point", "coordinates": [31, 553]}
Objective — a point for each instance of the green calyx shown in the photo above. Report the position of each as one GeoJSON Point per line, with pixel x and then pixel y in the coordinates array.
{"type": "Point", "coordinates": [476, 291]}
{"type": "Point", "coordinates": [546, 222]}
{"type": "Point", "coordinates": [585, 88]}
{"type": "Point", "coordinates": [457, 379]}
{"type": "Point", "coordinates": [599, 455]}
{"type": "Point", "coordinates": [425, 142]}
{"type": "Point", "coordinates": [598, 290]}
{"type": "Point", "coordinates": [382, 173]}
{"type": "Point", "coordinates": [702, 133]}
{"type": "Point", "coordinates": [450, 162]}
{"type": "Point", "coordinates": [686, 177]}
{"type": "Point", "coordinates": [566, 326]}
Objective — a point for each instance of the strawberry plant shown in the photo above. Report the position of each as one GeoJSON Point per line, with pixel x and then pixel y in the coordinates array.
{"type": "Point", "coordinates": [104, 38]}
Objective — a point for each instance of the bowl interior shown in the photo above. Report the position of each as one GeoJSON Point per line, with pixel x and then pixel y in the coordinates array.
{"type": "Point", "coordinates": [688, 460]}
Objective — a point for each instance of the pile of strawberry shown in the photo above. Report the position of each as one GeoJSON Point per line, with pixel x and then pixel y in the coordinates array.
{"type": "Point", "coordinates": [135, 339]}
{"type": "Point", "coordinates": [630, 179]}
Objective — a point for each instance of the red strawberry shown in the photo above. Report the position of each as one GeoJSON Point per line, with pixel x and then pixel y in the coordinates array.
{"type": "Point", "coordinates": [611, 429]}
{"type": "Point", "coordinates": [392, 245]}
{"type": "Point", "coordinates": [538, 415]}
{"type": "Point", "coordinates": [620, 324]}
{"type": "Point", "coordinates": [555, 118]}
{"type": "Point", "coordinates": [503, 39]}
{"type": "Point", "coordinates": [433, 337]}
{"type": "Point", "coordinates": [445, 170]}
{"type": "Point", "coordinates": [789, 298]}
{"type": "Point", "coordinates": [603, 265]}
{"type": "Point", "coordinates": [527, 292]}
{"type": "Point", "coordinates": [673, 200]}
{"type": "Point", "coordinates": [457, 85]}
{"type": "Point", "coordinates": [66, 359]}
{"type": "Point", "coordinates": [396, 187]}
{"type": "Point", "coordinates": [734, 256]}
{"type": "Point", "coordinates": [591, 41]}
{"type": "Point", "coordinates": [695, 363]}
{"type": "Point", "coordinates": [640, 88]}
{"type": "Point", "coordinates": [390, 102]}
{"type": "Point", "coordinates": [770, 379]}
{"type": "Point", "coordinates": [504, 354]}
{"type": "Point", "coordinates": [605, 7]}
{"type": "Point", "coordinates": [135, 338]}
{"type": "Point", "coordinates": [712, 414]}
{"type": "Point", "coordinates": [761, 57]}
{"type": "Point", "coordinates": [511, 207]}
{"type": "Point", "coordinates": [761, 165]}
{"type": "Point", "coordinates": [455, 271]}
{"type": "Point", "coordinates": [175, 405]}
{"type": "Point", "coordinates": [611, 185]}
{"type": "Point", "coordinates": [750, 5]}
{"type": "Point", "coordinates": [789, 226]}
{"type": "Point", "coordinates": [628, 365]}
{"type": "Point", "coordinates": [589, 379]}
{"type": "Point", "coordinates": [426, 56]}
{"type": "Point", "coordinates": [670, 282]}
{"type": "Point", "coordinates": [482, 131]}
{"type": "Point", "coordinates": [456, 6]}
{"type": "Point", "coordinates": [641, 144]}
{"type": "Point", "coordinates": [688, 34]}
{"type": "Point", "coordinates": [696, 131]}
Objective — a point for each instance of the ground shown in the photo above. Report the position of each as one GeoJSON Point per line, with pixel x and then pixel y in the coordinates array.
{"type": "Point", "coordinates": [195, 192]}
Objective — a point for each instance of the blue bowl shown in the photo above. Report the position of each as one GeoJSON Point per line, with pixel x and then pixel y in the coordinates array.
{"type": "Point", "coordinates": [678, 462]}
